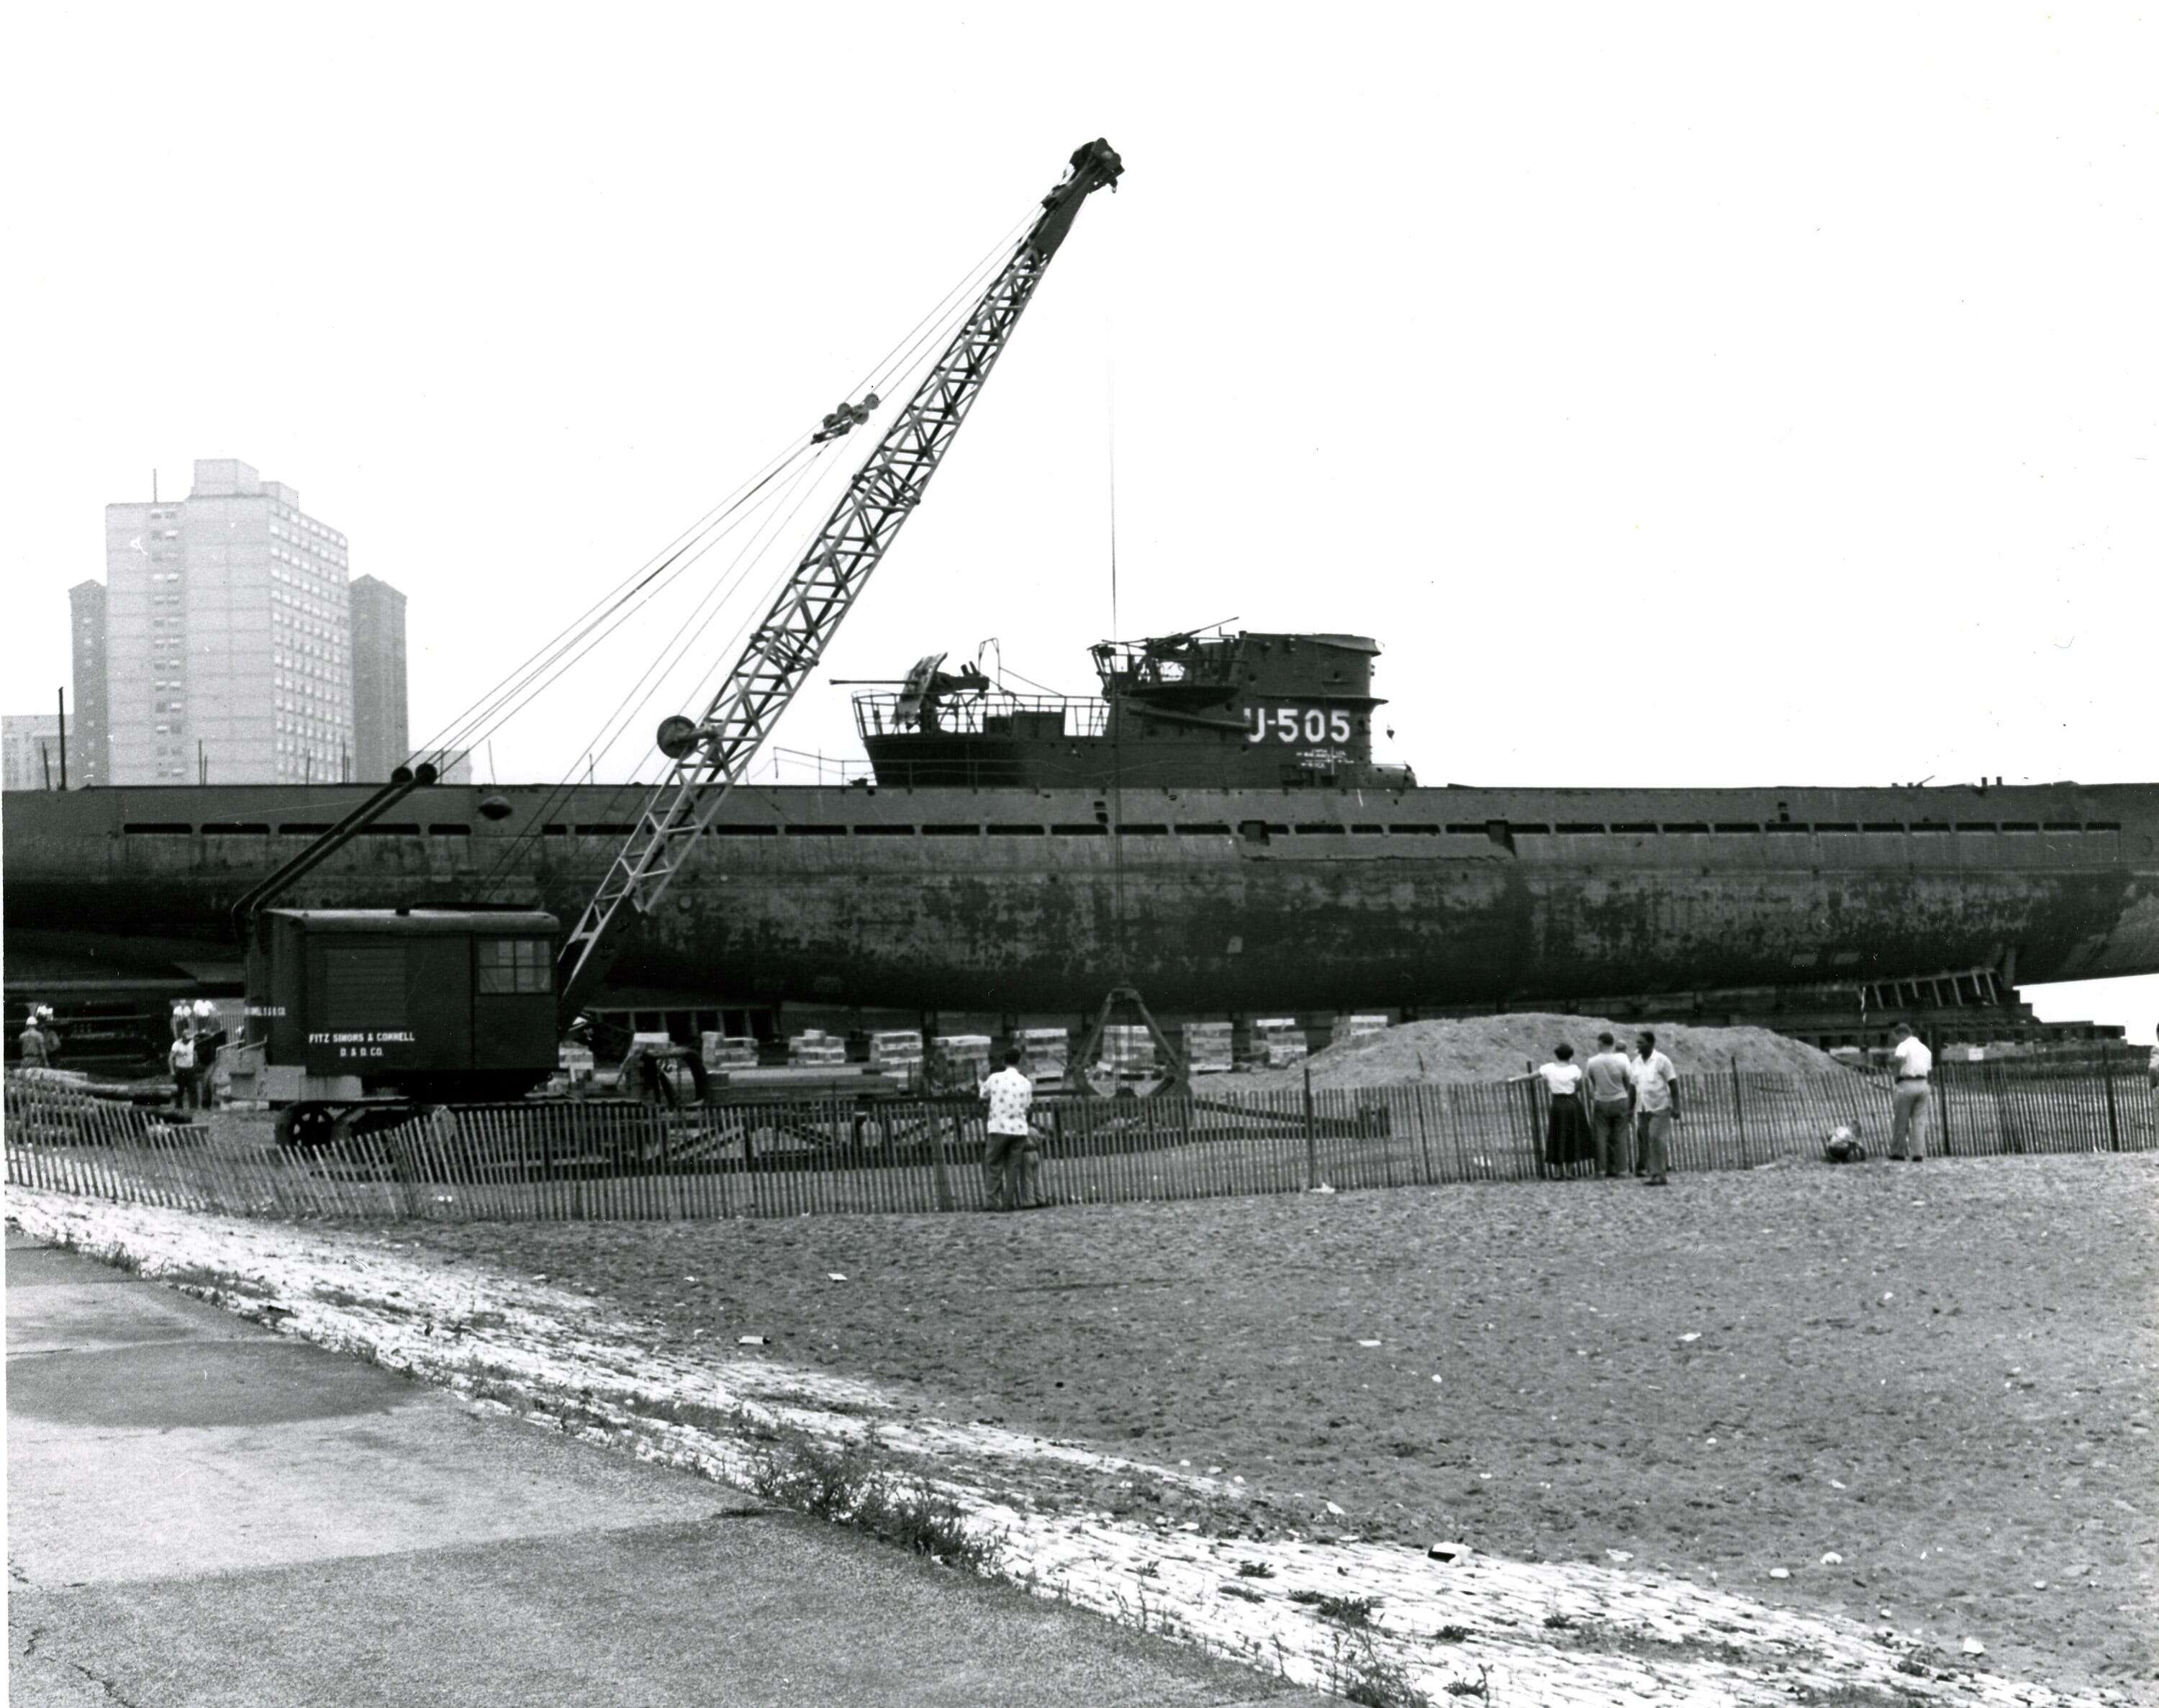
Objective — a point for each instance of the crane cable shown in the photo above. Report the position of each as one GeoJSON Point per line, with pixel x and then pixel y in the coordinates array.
{"type": "Point", "coordinates": [1116, 721]}
{"type": "Point", "coordinates": [598, 611]}
{"type": "Point", "coordinates": [939, 327]}
{"type": "Point", "coordinates": [715, 597]}
{"type": "Point", "coordinates": [619, 719]}
{"type": "Point", "coordinates": [691, 555]}
{"type": "Point", "coordinates": [670, 554]}
{"type": "Point", "coordinates": [562, 655]}
{"type": "Point", "coordinates": [941, 320]}
{"type": "Point", "coordinates": [639, 695]}
{"type": "Point", "coordinates": [575, 640]}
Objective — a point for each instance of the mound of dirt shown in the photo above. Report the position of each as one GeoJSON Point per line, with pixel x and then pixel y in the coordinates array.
{"type": "Point", "coordinates": [1500, 1046]}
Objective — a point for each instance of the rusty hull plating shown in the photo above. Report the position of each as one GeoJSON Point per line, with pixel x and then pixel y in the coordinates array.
{"type": "Point", "coordinates": [1235, 899]}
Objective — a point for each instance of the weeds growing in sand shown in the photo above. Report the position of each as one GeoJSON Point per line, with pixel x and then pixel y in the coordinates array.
{"type": "Point", "coordinates": [1354, 1611]}
{"type": "Point", "coordinates": [721, 1421]}
{"type": "Point", "coordinates": [1362, 1675]}
{"type": "Point", "coordinates": [847, 1484]}
{"type": "Point", "coordinates": [1853, 1696]}
{"type": "Point", "coordinates": [216, 1282]}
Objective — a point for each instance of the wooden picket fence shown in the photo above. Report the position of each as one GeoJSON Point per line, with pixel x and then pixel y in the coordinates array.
{"type": "Point", "coordinates": [619, 1161]}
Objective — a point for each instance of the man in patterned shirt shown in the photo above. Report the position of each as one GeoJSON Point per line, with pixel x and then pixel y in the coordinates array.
{"type": "Point", "coordinates": [1006, 1173]}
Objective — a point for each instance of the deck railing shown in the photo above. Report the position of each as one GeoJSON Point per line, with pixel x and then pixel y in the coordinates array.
{"type": "Point", "coordinates": [1033, 717]}
{"type": "Point", "coordinates": [619, 1161]}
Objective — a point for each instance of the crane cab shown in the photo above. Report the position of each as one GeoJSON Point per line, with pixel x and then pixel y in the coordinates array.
{"type": "Point", "coordinates": [364, 1012]}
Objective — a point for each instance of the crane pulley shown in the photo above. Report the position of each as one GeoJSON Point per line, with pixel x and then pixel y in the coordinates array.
{"type": "Point", "coordinates": [710, 754]}
{"type": "Point", "coordinates": [845, 419]}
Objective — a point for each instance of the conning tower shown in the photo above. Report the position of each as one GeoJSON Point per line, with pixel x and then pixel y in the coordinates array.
{"type": "Point", "coordinates": [1189, 711]}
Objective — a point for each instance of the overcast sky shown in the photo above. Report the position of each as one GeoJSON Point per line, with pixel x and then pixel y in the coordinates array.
{"type": "Point", "coordinates": [1717, 395]}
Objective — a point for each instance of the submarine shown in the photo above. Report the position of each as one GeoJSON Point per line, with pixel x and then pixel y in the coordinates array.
{"type": "Point", "coordinates": [1210, 828]}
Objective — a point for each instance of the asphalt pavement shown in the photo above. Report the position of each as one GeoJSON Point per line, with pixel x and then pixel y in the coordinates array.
{"type": "Point", "coordinates": [201, 1512]}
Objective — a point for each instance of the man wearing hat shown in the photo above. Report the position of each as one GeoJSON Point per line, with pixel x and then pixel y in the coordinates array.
{"type": "Point", "coordinates": [37, 1042]}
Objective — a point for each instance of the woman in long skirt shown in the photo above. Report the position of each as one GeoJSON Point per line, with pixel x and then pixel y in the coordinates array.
{"type": "Point", "coordinates": [1567, 1140]}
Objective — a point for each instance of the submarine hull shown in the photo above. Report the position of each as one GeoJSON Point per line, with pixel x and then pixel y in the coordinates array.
{"type": "Point", "coordinates": [1212, 900]}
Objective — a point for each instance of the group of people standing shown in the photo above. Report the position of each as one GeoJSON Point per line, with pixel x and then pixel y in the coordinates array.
{"type": "Point", "coordinates": [1615, 1111]}
{"type": "Point", "coordinates": [198, 1035]}
{"type": "Point", "coordinates": [1598, 1106]}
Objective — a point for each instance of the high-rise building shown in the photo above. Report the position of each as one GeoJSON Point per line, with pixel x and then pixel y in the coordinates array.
{"type": "Point", "coordinates": [228, 654]}
{"type": "Point", "coordinates": [381, 737]}
{"type": "Point", "coordinates": [30, 751]}
{"type": "Point", "coordinates": [88, 762]}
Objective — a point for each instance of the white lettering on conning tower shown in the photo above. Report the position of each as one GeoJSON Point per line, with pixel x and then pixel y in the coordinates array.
{"type": "Point", "coordinates": [1296, 723]}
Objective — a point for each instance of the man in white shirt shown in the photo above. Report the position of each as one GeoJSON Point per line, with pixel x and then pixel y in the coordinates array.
{"type": "Point", "coordinates": [1914, 1068]}
{"type": "Point", "coordinates": [1656, 1084]}
{"type": "Point", "coordinates": [1007, 1182]}
{"type": "Point", "coordinates": [182, 1058]}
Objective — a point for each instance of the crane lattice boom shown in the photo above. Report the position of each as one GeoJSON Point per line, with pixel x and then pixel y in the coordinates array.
{"type": "Point", "coordinates": [710, 756]}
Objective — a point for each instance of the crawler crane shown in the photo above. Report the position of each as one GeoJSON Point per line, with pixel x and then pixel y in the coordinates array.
{"type": "Point", "coordinates": [358, 1013]}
